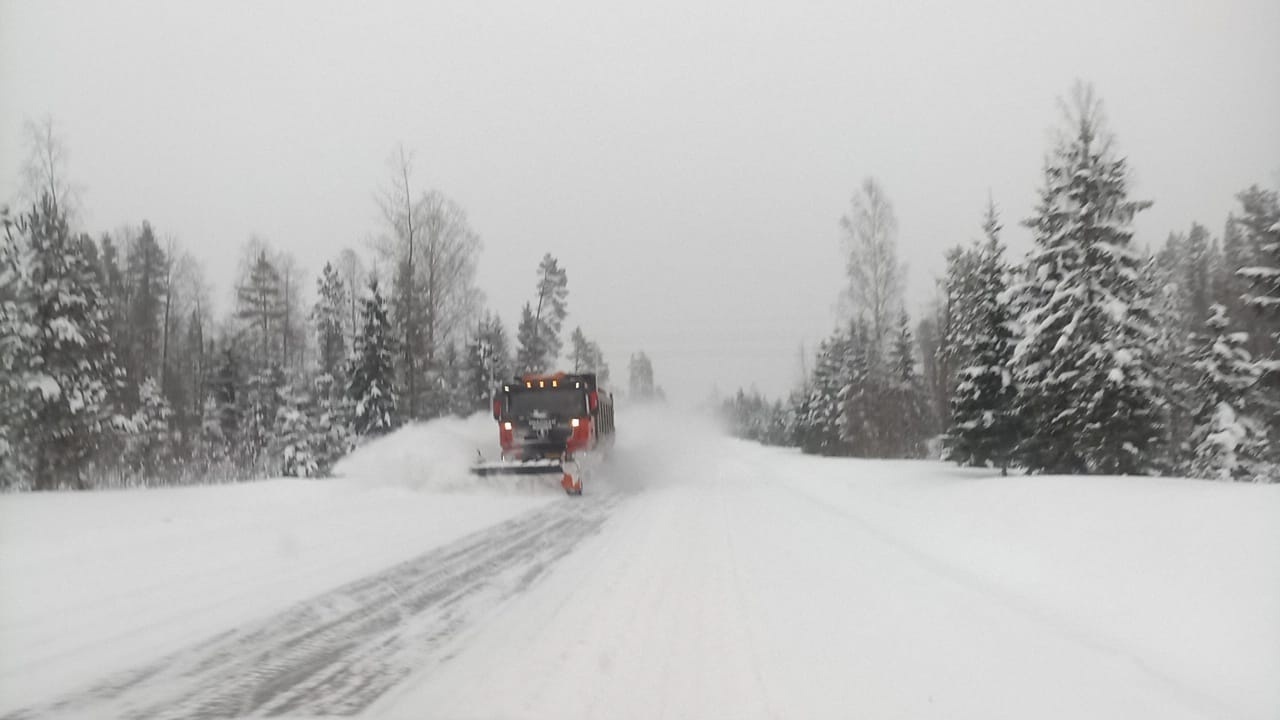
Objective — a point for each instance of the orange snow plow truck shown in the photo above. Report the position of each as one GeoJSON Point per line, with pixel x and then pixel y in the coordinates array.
{"type": "Point", "coordinates": [556, 425]}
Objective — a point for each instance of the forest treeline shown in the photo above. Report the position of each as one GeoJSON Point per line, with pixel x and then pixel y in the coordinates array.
{"type": "Point", "coordinates": [1093, 355]}
{"type": "Point", "coordinates": [115, 371]}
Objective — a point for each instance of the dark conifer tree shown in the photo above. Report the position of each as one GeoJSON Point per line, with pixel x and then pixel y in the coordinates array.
{"type": "Point", "coordinates": [331, 303]}
{"type": "Point", "coordinates": [73, 367]}
{"type": "Point", "coordinates": [371, 376]}
{"type": "Point", "coordinates": [147, 277]}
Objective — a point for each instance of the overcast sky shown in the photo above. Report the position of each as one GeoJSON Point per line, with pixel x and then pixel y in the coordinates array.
{"type": "Point", "coordinates": [687, 162]}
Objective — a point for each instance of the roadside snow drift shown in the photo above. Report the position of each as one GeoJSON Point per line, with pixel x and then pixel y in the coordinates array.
{"type": "Point", "coordinates": [434, 455]}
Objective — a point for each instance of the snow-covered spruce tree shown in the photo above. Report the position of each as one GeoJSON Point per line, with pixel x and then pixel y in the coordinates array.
{"type": "Point", "coordinates": [73, 366]}
{"type": "Point", "coordinates": [148, 447]}
{"type": "Point", "coordinates": [371, 375]}
{"type": "Point", "coordinates": [1258, 225]}
{"type": "Point", "coordinates": [16, 334]}
{"type": "Point", "coordinates": [984, 425]}
{"type": "Point", "coordinates": [1083, 363]}
{"type": "Point", "coordinates": [296, 435]}
{"type": "Point", "coordinates": [819, 425]}
{"type": "Point", "coordinates": [211, 459]}
{"type": "Point", "coordinates": [1228, 442]}
{"type": "Point", "coordinates": [962, 290]}
{"type": "Point", "coordinates": [331, 436]}
{"type": "Point", "coordinates": [778, 429]}
{"type": "Point", "coordinates": [488, 361]}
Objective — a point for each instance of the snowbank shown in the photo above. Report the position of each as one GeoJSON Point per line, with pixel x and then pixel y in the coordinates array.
{"type": "Point", "coordinates": [94, 583]}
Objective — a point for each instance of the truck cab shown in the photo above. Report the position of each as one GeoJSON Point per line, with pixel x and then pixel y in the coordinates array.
{"type": "Point", "coordinates": [556, 416]}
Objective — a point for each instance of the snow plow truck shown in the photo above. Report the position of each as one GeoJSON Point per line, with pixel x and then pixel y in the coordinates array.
{"type": "Point", "coordinates": [555, 425]}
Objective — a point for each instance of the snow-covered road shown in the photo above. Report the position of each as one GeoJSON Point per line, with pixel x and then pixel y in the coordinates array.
{"type": "Point", "coordinates": [701, 577]}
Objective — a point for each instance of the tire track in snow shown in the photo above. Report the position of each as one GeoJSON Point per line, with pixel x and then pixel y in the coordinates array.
{"type": "Point", "coordinates": [337, 653]}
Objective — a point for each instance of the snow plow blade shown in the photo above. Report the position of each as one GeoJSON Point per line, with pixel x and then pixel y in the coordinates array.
{"type": "Point", "coordinates": [567, 472]}
{"type": "Point", "coordinates": [533, 467]}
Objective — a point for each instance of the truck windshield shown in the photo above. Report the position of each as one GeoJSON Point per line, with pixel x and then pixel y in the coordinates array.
{"type": "Point", "coordinates": [556, 403]}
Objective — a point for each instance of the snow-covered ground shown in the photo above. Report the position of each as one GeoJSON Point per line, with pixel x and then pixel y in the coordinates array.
{"type": "Point", "coordinates": [719, 579]}
{"type": "Point", "coordinates": [93, 583]}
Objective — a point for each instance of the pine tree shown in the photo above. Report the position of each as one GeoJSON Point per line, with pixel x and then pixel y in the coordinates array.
{"type": "Point", "coordinates": [579, 351]}
{"type": "Point", "coordinates": [147, 276]}
{"type": "Point", "coordinates": [586, 357]}
{"type": "Point", "coordinates": [73, 366]}
{"type": "Point", "coordinates": [116, 293]}
{"type": "Point", "coordinates": [908, 425]}
{"type": "Point", "coordinates": [225, 396]}
{"type": "Point", "coordinates": [194, 371]}
{"type": "Point", "coordinates": [296, 435]}
{"type": "Point", "coordinates": [530, 354]}
{"type": "Point", "coordinates": [984, 428]}
{"type": "Point", "coordinates": [1228, 441]}
{"type": "Point", "coordinates": [370, 385]}
{"type": "Point", "coordinates": [260, 303]}
{"type": "Point", "coordinates": [1083, 363]}
{"type": "Point", "coordinates": [327, 315]}
{"type": "Point", "coordinates": [538, 334]}
{"type": "Point", "coordinates": [553, 292]}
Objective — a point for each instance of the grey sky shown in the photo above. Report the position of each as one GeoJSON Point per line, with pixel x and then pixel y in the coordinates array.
{"type": "Point", "coordinates": [687, 162]}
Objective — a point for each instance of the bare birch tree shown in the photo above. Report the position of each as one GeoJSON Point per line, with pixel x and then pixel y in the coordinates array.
{"type": "Point", "coordinates": [432, 251]}
{"type": "Point", "coordinates": [870, 239]}
{"type": "Point", "coordinates": [44, 172]}
{"type": "Point", "coordinates": [352, 272]}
